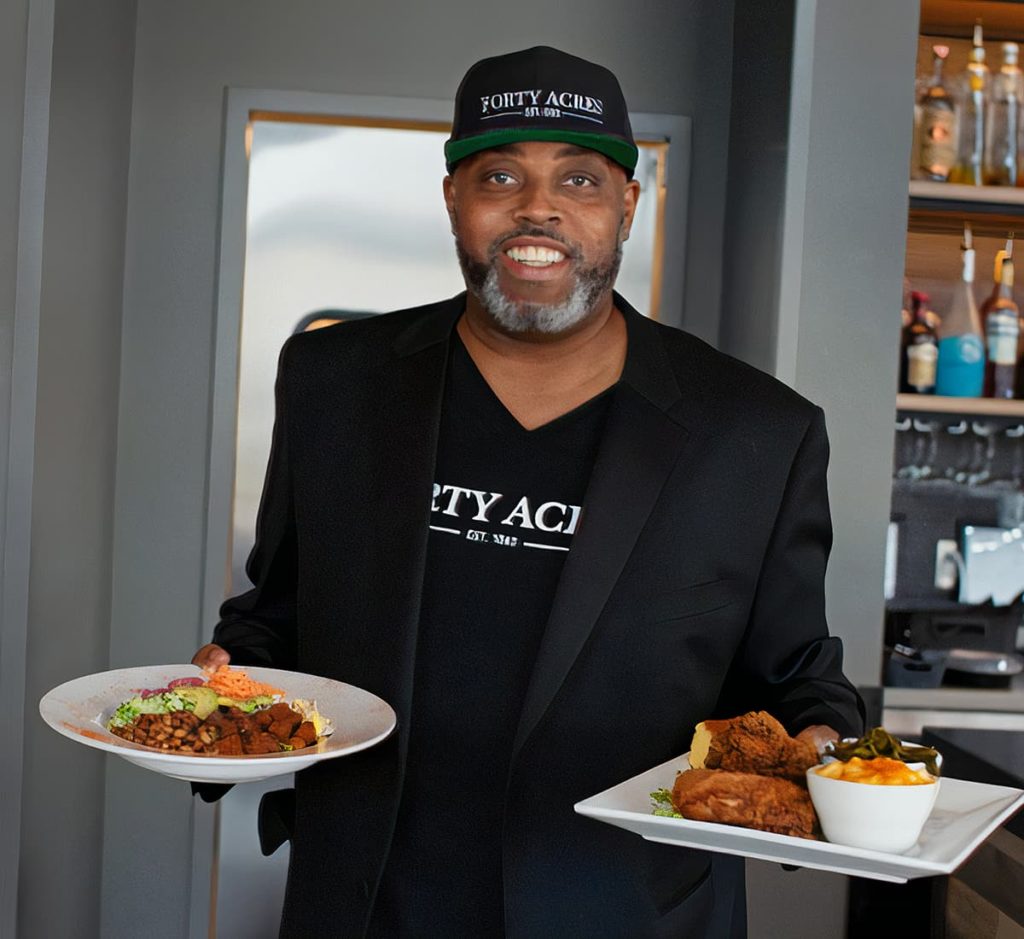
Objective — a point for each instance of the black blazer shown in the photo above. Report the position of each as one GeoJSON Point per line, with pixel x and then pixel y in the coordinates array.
{"type": "Point", "coordinates": [694, 588]}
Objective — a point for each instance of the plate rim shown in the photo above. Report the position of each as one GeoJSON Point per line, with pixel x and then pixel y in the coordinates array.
{"type": "Point", "coordinates": [737, 835]}
{"type": "Point", "coordinates": [138, 754]}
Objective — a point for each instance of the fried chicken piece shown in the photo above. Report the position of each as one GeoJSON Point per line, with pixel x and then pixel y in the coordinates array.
{"type": "Point", "coordinates": [761, 802]}
{"type": "Point", "coordinates": [752, 743]}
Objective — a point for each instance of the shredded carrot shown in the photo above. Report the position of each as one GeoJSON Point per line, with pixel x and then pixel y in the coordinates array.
{"type": "Point", "coordinates": [235, 683]}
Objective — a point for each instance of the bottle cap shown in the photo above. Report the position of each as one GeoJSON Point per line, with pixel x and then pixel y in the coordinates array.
{"type": "Point", "coordinates": [997, 271]}
{"type": "Point", "coordinates": [919, 296]}
{"type": "Point", "coordinates": [978, 52]}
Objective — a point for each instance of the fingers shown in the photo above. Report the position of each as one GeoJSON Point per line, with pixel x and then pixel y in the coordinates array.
{"type": "Point", "coordinates": [818, 735]}
{"type": "Point", "coordinates": [210, 657]}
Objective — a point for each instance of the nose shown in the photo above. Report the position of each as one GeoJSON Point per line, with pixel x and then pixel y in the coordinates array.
{"type": "Point", "coordinates": [537, 205]}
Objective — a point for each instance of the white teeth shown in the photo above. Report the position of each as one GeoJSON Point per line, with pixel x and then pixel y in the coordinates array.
{"type": "Point", "coordinates": [535, 255]}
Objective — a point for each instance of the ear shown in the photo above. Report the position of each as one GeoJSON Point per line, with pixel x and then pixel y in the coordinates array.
{"type": "Point", "coordinates": [449, 199]}
{"type": "Point", "coordinates": [630, 196]}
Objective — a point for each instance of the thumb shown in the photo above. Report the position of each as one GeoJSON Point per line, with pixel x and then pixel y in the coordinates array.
{"type": "Point", "coordinates": [210, 657]}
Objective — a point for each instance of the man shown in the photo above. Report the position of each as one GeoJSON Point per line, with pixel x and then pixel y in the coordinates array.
{"type": "Point", "coordinates": [553, 534]}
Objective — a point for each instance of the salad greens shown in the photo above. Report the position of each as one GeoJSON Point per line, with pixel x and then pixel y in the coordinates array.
{"type": "Point", "coordinates": [188, 698]}
{"type": "Point", "coordinates": [661, 799]}
{"type": "Point", "coordinates": [162, 703]}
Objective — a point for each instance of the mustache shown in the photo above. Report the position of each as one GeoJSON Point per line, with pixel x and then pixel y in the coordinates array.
{"type": "Point", "coordinates": [572, 251]}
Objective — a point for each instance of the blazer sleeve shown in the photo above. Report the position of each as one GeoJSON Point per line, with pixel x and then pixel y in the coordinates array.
{"type": "Point", "coordinates": [787, 663]}
{"type": "Point", "coordinates": [258, 627]}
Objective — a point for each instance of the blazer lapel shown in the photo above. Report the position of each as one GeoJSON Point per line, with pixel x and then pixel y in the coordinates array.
{"type": "Point", "coordinates": [401, 447]}
{"type": "Point", "coordinates": [642, 442]}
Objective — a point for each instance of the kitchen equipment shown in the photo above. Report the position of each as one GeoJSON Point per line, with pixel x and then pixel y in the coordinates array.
{"type": "Point", "coordinates": [993, 565]}
{"type": "Point", "coordinates": [906, 667]}
{"type": "Point", "coordinates": [981, 669]}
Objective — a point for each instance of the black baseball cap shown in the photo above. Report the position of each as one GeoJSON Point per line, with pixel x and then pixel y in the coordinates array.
{"type": "Point", "coordinates": [541, 94]}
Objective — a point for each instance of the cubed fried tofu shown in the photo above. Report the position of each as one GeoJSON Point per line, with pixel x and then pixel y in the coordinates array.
{"type": "Point", "coordinates": [283, 729]}
{"type": "Point", "coordinates": [259, 742]}
{"type": "Point", "coordinates": [307, 732]}
{"type": "Point", "coordinates": [281, 711]}
{"type": "Point", "coordinates": [230, 746]}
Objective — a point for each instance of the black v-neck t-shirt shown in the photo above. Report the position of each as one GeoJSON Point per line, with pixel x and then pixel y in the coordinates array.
{"type": "Point", "coordinates": [506, 503]}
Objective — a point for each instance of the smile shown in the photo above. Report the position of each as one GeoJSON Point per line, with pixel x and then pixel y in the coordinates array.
{"type": "Point", "coordinates": [535, 256]}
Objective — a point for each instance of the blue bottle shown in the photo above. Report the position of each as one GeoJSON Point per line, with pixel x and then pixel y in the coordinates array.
{"type": "Point", "coordinates": [961, 368]}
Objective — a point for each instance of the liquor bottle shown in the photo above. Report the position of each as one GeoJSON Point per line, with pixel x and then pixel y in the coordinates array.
{"type": "Point", "coordinates": [970, 153]}
{"type": "Point", "coordinates": [1002, 162]}
{"type": "Point", "coordinates": [1002, 331]}
{"type": "Point", "coordinates": [997, 273]}
{"type": "Point", "coordinates": [920, 350]}
{"type": "Point", "coordinates": [906, 317]}
{"type": "Point", "coordinates": [961, 368]}
{"type": "Point", "coordinates": [938, 124]}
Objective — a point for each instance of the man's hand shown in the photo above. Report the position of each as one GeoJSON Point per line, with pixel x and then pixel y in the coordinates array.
{"type": "Point", "coordinates": [210, 657]}
{"type": "Point", "coordinates": [817, 734]}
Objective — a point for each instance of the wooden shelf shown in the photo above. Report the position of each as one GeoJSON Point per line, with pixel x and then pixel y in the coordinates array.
{"type": "Point", "coordinates": [942, 208]}
{"type": "Point", "coordinates": [977, 407]}
{"type": "Point", "coordinates": [977, 198]}
{"type": "Point", "coordinates": [955, 18]}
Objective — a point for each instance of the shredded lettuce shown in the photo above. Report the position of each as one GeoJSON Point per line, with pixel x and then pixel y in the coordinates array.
{"type": "Point", "coordinates": [162, 703]}
{"type": "Point", "coordinates": [661, 799]}
{"type": "Point", "coordinates": [126, 713]}
{"type": "Point", "coordinates": [251, 704]}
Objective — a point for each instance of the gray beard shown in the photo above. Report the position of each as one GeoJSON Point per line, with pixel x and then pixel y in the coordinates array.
{"type": "Point", "coordinates": [515, 316]}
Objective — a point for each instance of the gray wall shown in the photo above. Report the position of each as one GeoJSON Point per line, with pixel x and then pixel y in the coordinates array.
{"type": "Point", "coordinates": [75, 446]}
{"type": "Point", "coordinates": [26, 30]}
{"type": "Point", "coordinates": [814, 295]}
{"type": "Point", "coordinates": [842, 275]}
{"type": "Point", "coordinates": [758, 160]}
{"type": "Point", "coordinates": [13, 591]}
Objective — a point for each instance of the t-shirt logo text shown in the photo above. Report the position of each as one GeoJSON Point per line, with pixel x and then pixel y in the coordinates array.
{"type": "Point", "coordinates": [480, 506]}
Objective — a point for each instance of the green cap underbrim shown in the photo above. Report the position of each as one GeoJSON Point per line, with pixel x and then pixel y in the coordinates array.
{"type": "Point", "coordinates": [621, 151]}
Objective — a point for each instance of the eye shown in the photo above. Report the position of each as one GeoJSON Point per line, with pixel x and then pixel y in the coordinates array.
{"type": "Point", "coordinates": [579, 181]}
{"type": "Point", "coordinates": [501, 177]}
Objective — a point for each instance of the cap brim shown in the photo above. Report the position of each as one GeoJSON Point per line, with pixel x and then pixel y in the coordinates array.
{"type": "Point", "coordinates": [621, 151]}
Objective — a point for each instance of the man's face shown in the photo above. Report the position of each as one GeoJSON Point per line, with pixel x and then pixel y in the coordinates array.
{"type": "Point", "coordinates": [539, 229]}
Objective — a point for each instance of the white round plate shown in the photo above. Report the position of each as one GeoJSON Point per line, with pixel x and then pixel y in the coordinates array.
{"type": "Point", "coordinates": [80, 709]}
